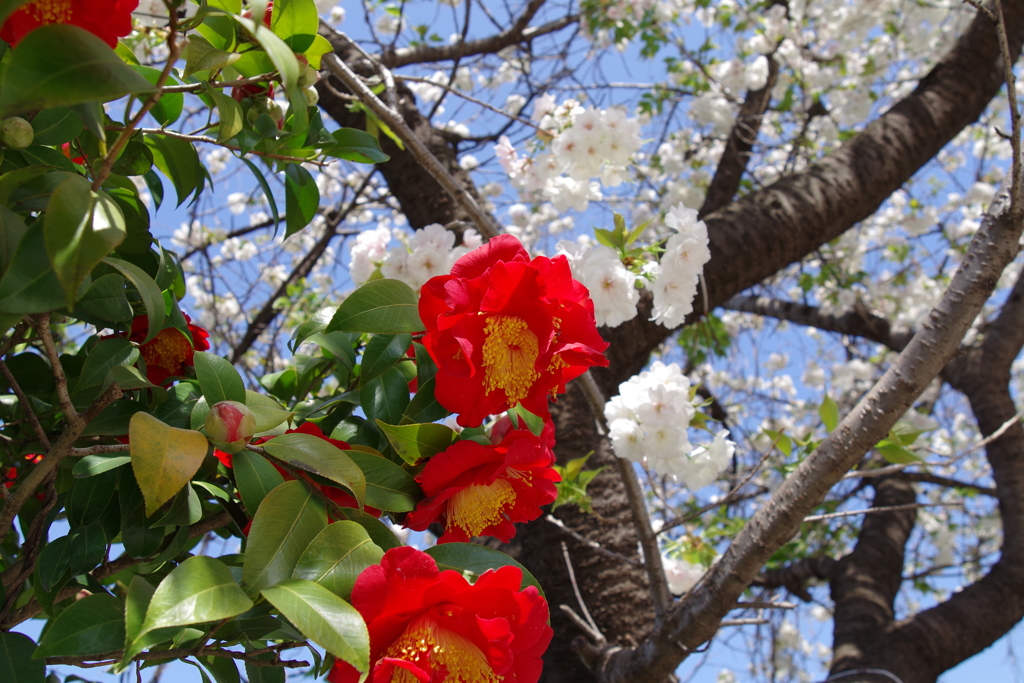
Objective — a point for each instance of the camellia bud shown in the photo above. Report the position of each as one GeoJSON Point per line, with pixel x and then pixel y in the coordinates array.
{"type": "Point", "coordinates": [230, 425]}
{"type": "Point", "coordinates": [16, 132]}
{"type": "Point", "coordinates": [312, 96]}
{"type": "Point", "coordinates": [308, 76]}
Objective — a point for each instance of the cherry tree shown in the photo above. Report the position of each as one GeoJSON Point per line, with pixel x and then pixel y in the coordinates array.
{"type": "Point", "coordinates": [766, 249]}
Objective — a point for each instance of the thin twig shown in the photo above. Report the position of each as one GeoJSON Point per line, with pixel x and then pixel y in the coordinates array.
{"type": "Point", "coordinates": [196, 87]}
{"type": "Point", "coordinates": [42, 325]}
{"type": "Point", "coordinates": [115, 150]}
{"type": "Point", "coordinates": [485, 223]}
{"type": "Point", "coordinates": [660, 594]}
{"type": "Point", "coordinates": [481, 103]}
{"type": "Point", "coordinates": [101, 448]}
{"type": "Point", "coordinates": [30, 414]}
{"type": "Point", "coordinates": [868, 511]}
{"type": "Point", "coordinates": [108, 658]}
{"type": "Point", "coordinates": [57, 452]}
{"type": "Point", "coordinates": [213, 141]}
{"type": "Point", "coordinates": [590, 543]}
{"type": "Point", "coordinates": [595, 634]}
{"type": "Point", "coordinates": [1011, 96]}
{"type": "Point", "coordinates": [108, 569]}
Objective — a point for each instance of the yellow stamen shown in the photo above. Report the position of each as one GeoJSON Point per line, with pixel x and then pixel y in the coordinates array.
{"type": "Point", "coordinates": [461, 660]}
{"type": "Point", "coordinates": [168, 350]}
{"type": "Point", "coordinates": [510, 355]}
{"type": "Point", "coordinates": [477, 507]}
{"type": "Point", "coordinates": [51, 11]}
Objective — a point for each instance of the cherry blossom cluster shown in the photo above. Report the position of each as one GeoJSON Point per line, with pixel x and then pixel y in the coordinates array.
{"type": "Point", "coordinates": [576, 145]}
{"type": "Point", "coordinates": [648, 423]}
{"type": "Point", "coordinates": [417, 258]}
{"type": "Point", "coordinates": [673, 280]}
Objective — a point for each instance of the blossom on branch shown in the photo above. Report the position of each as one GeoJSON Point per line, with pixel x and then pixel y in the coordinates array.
{"type": "Point", "coordinates": [504, 330]}
{"type": "Point", "coordinates": [432, 626]}
{"type": "Point", "coordinates": [170, 352]}
{"type": "Point", "coordinates": [477, 490]}
{"type": "Point", "coordinates": [105, 19]}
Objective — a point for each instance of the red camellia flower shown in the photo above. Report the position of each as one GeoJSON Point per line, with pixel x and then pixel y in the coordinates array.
{"type": "Point", "coordinates": [477, 490]}
{"type": "Point", "coordinates": [105, 19]}
{"type": "Point", "coordinates": [504, 329]}
{"type": "Point", "coordinates": [169, 352]}
{"type": "Point", "coordinates": [431, 626]}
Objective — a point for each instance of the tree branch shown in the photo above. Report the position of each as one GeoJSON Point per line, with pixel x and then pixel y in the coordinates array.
{"type": "Point", "coordinates": [695, 619]}
{"type": "Point", "coordinates": [733, 163]}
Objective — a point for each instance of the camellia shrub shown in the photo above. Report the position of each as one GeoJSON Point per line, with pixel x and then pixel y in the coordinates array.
{"type": "Point", "coordinates": [125, 449]}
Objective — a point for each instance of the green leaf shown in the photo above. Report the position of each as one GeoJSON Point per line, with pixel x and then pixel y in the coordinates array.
{"type": "Point", "coordinates": [105, 300]}
{"type": "Point", "coordinates": [317, 323]}
{"type": "Point", "coordinates": [86, 545]}
{"type": "Point", "coordinates": [337, 556]}
{"type": "Point", "coordinates": [53, 562]}
{"type": "Point", "coordinates": [424, 407]}
{"type": "Point", "coordinates": [107, 354]}
{"type": "Point", "coordinates": [138, 539]}
{"type": "Point", "coordinates": [231, 118]}
{"type": "Point", "coordinates": [168, 108]}
{"type": "Point", "coordinates": [30, 285]}
{"type": "Point", "coordinates": [268, 412]}
{"type": "Point", "coordinates": [178, 160]}
{"type": "Point", "coordinates": [151, 295]}
{"type": "Point", "coordinates": [266, 191]}
{"type": "Point", "coordinates": [89, 626]}
{"type": "Point", "coordinates": [315, 52]}
{"type": "Point", "coordinates": [296, 23]}
{"type": "Point", "coordinates": [199, 590]}
{"type": "Point", "coordinates": [829, 413]}
{"type": "Point", "coordinates": [324, 618]}
{"type": "Point", "coordinates": [896, 453]}
{"type": "Point", "coordinates": [255, 477]}
{"type": "Point", "coordinates": [60, 64]}
{"type": "Point", "coordinates": [55, 126]}
{"type": "Point", "coordinates": [302, 198]}
{"type": "Point", "coordinates": [470, 557]}
{"type": "Point", "coordinates": [164, 458]}
{"type": "Point", "coordinates": [16, 663]}
{"type": "Point", "coordinates": [382, 352]}
{"type": "Point", "coordinates": [535, 423]}
{"type": "Point", "coordinates": [388, 486]}
{"type": "Point", "coordinates": [89, 497]}
{"type": "Point", "coordinates": [381, 307]}
{"type": "Point", "coordinates": [378, 531]}
{"type": "Point", "coordinates": [386, 397]}
{"type": "Point", "coordinates": [91, 465]}
{"type": "Point", "coordinates": [316, 455]}
{"type": "Point", "coordinates": [218, 379]}
{"type": "Point", "coordinates": [201, 55]}
{"type": "Point", "coordinates": [356, 145]}
{"type": "Point", "coordinates": [81, 227]}
{"type": "Point", "coordinates": [288, 519]}
{"type": "Point", "coordinates": [127, 377]}
{"type": "Point", "coordinates": [418, 441]}
{"type": "Point", "coordinates": [283, 59]}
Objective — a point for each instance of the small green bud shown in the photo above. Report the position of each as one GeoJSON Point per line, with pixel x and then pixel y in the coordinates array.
{"type": "Point", "coordinates": [16, 132]}
{"type": "Point", "coordinates": [312, 96]}
{"type": "Point", "coordinates": [308, 76]}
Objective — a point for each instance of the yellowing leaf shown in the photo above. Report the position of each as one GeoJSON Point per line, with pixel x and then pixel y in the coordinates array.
{"type": "Point", "coordinates": [164, 458]}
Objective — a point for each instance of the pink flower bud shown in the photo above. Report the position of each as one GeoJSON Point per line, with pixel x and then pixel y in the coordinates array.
{"type": "Point", "coordinates": [230, 425]}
